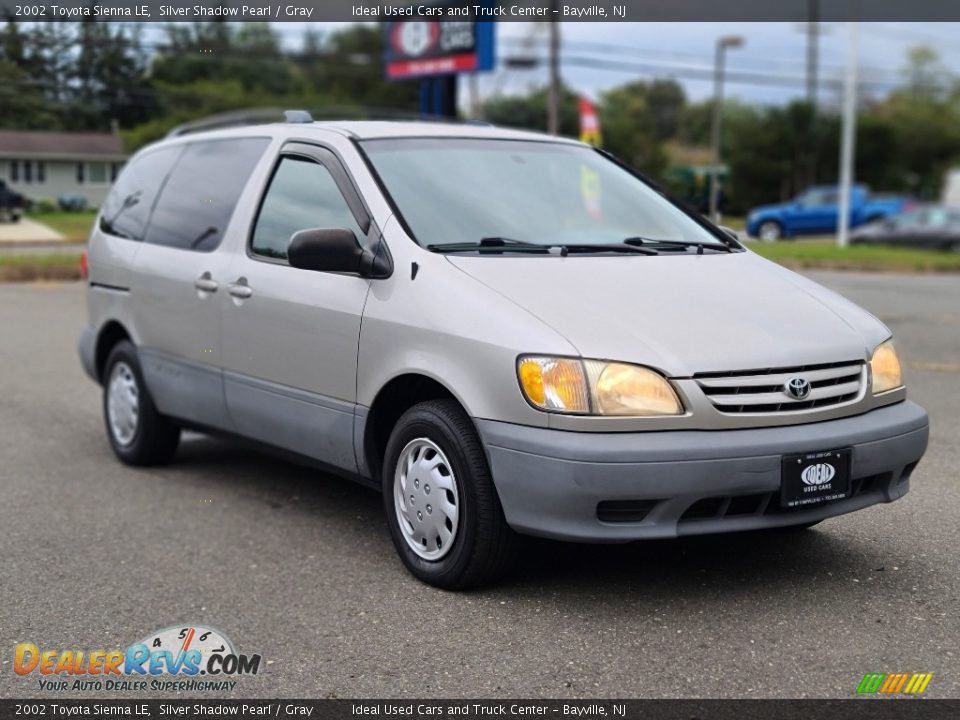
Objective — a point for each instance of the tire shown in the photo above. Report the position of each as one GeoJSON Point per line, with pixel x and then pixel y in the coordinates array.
{"type": "Point", "coordinates": [442, 446]}
{"type": "Point", "coordinates": [770, 231]}
{"type": "Point", "coordinates": [138, 434]}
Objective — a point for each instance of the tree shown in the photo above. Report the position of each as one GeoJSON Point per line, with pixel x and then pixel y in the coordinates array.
{"type": "Point", "coordinates": [530, 111]}
{"type": "Point", "coordinates": [630, 130]}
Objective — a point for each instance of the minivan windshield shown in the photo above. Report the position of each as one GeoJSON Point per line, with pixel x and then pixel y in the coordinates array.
{"type": "Point", "coordinates": [456, 191]}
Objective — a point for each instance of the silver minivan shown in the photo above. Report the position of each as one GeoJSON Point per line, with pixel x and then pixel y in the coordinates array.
{"type": "Point", "coordinates": [505, 333]}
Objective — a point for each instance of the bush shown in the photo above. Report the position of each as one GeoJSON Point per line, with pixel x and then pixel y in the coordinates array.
{"type": "Point", "coordinates": [72, 202]}
{"type": "Point", "coordinates": [44, 205]}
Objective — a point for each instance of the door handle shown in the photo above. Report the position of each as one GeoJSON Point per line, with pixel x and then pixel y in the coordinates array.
{"type": "Point", "coordinates": [240, 289]}
{"type": "Point", "coordinates": [205, 283]}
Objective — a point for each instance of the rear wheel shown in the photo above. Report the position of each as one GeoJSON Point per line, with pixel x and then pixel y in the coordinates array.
{"type": "Point", "coordinates": [138, 434]}
{"type": "Point", "coordinates": [769, 231]}
{"type": "Point", "coordinates": [444, 515]}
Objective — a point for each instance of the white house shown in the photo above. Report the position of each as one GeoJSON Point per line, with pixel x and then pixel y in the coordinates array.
{"type": "Point", "coordinates": [49, 164]}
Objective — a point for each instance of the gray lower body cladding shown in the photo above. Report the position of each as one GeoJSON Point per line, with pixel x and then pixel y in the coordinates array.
{"type": "Point", "coordinates": [617, 487]}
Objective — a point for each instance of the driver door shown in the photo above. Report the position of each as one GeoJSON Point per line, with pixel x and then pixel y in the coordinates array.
{"type": "Point", "coordinates": [290, 336]}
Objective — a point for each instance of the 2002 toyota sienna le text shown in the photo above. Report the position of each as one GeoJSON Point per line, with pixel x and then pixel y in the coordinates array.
{"type": "Point", "coordinates": [504, 332]}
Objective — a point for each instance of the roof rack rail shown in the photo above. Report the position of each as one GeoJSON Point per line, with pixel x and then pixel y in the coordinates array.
{"type": "Point", "coordinates": [297, 116]}
{"type": "Point", "coordinates": [262, 116]}
{"type": "Point", "coordinates": [229, 119]}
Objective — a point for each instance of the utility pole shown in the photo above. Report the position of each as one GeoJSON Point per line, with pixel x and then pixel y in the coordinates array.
{"type": "Point", "coordinates": [813, 31]}
{"type": "Point", "coordinates": [848, 133]}
{"type": "Point", "coordinates": [553, 102]}
{"type": "Point", "coordinates": [724, 42]}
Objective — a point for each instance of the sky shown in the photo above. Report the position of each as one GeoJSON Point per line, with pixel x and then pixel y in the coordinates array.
{"type": "Point", "coordinates": [769, 69]}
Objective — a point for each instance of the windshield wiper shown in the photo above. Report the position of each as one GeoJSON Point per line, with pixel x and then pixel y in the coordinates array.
{"type": "Point", "coordinates": [496, 244]}
{"type": "Point", "coordinates": [567, 248]}
{"type": "Point", "coordinates": [501, 244]}
{"type": "Point", "coordinates": [640, 241]}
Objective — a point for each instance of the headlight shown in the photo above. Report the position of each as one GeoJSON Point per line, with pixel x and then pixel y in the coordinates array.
{"type": "Point", "coordinates": [595, 387]}
{"type": "Point", "coordinates": [885, 368]}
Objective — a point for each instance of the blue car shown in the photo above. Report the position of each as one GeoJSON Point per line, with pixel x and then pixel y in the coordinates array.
{"type": "Point", "coordinates": [816, 212]}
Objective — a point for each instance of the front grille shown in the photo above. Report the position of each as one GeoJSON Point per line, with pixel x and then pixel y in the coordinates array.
{"type": "Point", "coordinates": [766, 503]}
{"type": "Point", "coordinates": [763, 391]}
{"type": "Point", "coordinates": [624, 511]}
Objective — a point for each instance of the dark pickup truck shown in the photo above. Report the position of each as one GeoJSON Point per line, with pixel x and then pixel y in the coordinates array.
{"type": "Point", "coordinates": [11, 204]}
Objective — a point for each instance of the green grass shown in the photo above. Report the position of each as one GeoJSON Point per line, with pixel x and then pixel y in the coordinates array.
{"type": "Point", "coordinates": [74, 226]}
{"type": "Point", "coordinates": [824, 254]}
{"type": "Point", "coordinates": [734, 222]}
{"type": "Point", "coordinates": [49, 260]}
{"type": "Point", "coordinates": [25, 268]}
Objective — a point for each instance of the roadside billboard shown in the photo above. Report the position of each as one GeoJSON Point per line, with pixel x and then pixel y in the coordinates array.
{"type": "Point", "coordinates": [420, 47]}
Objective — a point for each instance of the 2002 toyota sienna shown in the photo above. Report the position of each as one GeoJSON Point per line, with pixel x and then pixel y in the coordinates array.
{"type": "Point", "coordinates": [505, 333]}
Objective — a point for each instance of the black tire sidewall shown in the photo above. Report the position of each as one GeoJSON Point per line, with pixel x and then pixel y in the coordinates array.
{"type": "Point", "coordinates": [423, 421]}
{"type": "Point", "coordinates": [155, 437]}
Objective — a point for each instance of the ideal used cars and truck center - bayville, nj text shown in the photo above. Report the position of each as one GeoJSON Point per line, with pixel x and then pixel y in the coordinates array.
{"type": "Point", "coordinates": [294, 11]}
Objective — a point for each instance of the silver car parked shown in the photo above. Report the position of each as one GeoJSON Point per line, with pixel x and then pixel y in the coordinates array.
{"type": "Point", "coordinates": [504, 333]}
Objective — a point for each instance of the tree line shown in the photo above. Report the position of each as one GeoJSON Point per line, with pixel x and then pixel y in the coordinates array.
{"type": "Point", "coordinates": [905, 141]}
{"type": "Point", "coordinates": [102, 76]}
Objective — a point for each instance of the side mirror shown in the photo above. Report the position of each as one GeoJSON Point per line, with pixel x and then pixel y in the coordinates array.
{"type": "Point", "coordinates": [325, 250]}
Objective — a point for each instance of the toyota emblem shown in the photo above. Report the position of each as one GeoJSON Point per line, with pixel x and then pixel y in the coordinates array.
{"type": "Point", "coordinates": [797, 387]}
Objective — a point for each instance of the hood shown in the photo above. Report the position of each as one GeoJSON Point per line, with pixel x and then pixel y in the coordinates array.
{"type": "Point", "coordinates": [763, 209]}
{"type": "Point", "coordinates": [683, 314]}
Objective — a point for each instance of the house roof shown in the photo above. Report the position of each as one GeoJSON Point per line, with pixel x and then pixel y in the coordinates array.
{"type": "Point", "coordinates": [41, 143]}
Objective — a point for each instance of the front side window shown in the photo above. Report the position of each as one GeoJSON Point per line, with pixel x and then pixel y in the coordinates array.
{"type": "Point", "coordinates": [127, 208]}
{"type": "Point", "coordinates": [302, 195]}
{"type": "Point", "coordinates": [818, 198]}
{"type": "Point", "coordinates": [199, 197]}
{"type": "Point", "coordinates": [452, 190]}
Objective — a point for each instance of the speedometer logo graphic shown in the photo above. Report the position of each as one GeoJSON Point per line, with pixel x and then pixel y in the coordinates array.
{"type": "Point", "coordinates": [182, 639]}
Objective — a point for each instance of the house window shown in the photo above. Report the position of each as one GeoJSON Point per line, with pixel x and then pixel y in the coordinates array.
{"type": "Point", "coordinates": [27, 171]}
{"type": "Point", "coordinates": [97, 173]}
{"type": "Point", "coordinates": [41, 171]}
{"type": "Point", "coordinates": [114, 171]}
{"type": "Point", "coordinates": [80, 173]}
{"type": "Point", "coordinates": [14, 171]}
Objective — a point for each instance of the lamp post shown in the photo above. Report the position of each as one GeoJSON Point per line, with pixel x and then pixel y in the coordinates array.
{"type": "Point", "coordinates": [724, 42]}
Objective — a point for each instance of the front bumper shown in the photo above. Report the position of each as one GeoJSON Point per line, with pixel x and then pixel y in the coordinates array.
{"type": "Point", "coordinates": [617, 487]}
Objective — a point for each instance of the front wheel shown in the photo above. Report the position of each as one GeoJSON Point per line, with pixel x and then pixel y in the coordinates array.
{"type": "Point", "coordinates": [770, 231]}
{"type": "Point", "coordinates": [139, 435]}
{"type": "Point", "coordinates": [443, 511]}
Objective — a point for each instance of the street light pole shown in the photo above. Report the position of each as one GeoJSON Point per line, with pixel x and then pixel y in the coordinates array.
{"type": "Point", "coordinates": [727, 41]}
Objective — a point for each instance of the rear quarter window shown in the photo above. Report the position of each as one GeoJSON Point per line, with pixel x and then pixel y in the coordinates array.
{"type": "Point", "coordinates": [202, 191]}
{"type": "Point", "coordinates": [126, 211]}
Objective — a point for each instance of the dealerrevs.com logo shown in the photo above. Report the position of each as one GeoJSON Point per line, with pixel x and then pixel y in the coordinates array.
{"type": "Point", "coordinates": [898, 683]}
{"type": "Point", "coordinates": [172, 659]}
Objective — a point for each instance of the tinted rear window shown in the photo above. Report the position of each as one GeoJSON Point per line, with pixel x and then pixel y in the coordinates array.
{"type": "Point", "coordinates": [127, 207]}
{"type": "Point", "coordinates": [202, 191]}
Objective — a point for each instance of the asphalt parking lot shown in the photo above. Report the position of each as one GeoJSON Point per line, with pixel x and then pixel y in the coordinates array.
{"type": "Point", "coordinates": [299, 567]}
